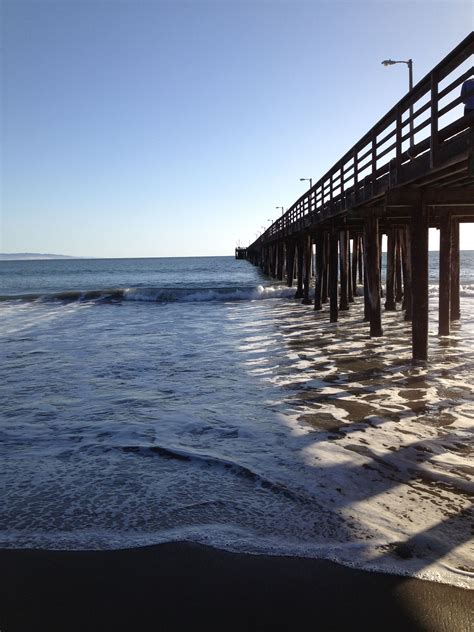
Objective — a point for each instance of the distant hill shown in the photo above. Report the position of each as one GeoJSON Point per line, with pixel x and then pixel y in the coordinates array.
{"type": "Point", "coordinates": [9, 256]}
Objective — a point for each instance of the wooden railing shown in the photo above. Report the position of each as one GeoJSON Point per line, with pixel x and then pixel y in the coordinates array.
{"type": "Point", "coordinates": [411, 128]}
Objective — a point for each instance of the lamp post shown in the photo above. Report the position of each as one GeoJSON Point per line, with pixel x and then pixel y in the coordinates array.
{"type": "Point", "coordinates": [409, 63]}
{"type": "Point", "coordinates": [282, 209]}
{"type": "Point", "coordinates": [310, 180]}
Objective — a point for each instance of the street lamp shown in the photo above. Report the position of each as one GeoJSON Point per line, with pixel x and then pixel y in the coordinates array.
{"type": "Point", "coordinates": [409, 63]}
{"type": "Point", "coordinates": [310, 180]}
{"type": "Point", "coordinates": [282, 209]}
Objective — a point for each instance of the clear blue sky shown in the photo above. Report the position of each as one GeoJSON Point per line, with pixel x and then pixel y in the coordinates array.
{"type": "Point", "coordinates": [155, 128]}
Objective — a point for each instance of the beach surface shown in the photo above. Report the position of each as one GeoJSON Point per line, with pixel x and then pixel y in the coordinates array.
{"type": "Point", "coordinates": [180, 586]}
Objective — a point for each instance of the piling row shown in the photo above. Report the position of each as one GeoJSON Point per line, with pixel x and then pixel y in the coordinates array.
{"type": "Point", "coordinates": [338, 262]}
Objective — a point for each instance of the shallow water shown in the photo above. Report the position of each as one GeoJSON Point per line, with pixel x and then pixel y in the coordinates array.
{"type": "Point", "coordinates": [231, 415]}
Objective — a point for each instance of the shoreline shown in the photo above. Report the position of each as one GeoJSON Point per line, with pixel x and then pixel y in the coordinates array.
{"type": "Point", "coordinates": [177, 585]}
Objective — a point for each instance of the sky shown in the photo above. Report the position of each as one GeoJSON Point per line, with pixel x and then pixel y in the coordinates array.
{"type": "Point", "coordinates": [148, 128]}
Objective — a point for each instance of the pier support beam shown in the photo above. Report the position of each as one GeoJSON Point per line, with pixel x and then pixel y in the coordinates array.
{"type": "Point", "coordinates": [308, 255]}
{"type": "Point", "coordinates": [299, 269]}
{"type": "Point", "coordinates": [366, 298]}
{"type": "Point", "coordinates": [333, 266]}
{"type": "Point", "coordinates": [419, 261]}
{"type": "Point", "coordinates": [290, 262]}
{"type": "Point", "coordinates": [360, 260]}
{"type": "Point", "coordinates": [344, 269]}
{"type": "Point", "coordinates": [398, 266]}
{"type": "Point", "coordinates": [325, 280]}
{"type": "Point", "coordinates": [372, 271]}
{"type": "Point", "coordinates": [274, 260]}
{"type": "Point", "coordinates": [350, 288]}
{"type": "Point", "coordinates": [280, 260]}
{"type": "Point", "coordinates": [390, 272]}
{"type": "Point", "coordinates": [445, 261]}
{"type": "Point", "coordinates": [407, 273]}
{"type": "Point", "coordinates": [320, 259]}
{"type": "Point", "coordinates": [355, 249]}
{"type": "Point", "coordinates": [455, 303]}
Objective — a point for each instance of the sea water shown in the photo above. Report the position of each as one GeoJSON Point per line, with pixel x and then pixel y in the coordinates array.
{"type": "Point", "coordinates": [153, 400]}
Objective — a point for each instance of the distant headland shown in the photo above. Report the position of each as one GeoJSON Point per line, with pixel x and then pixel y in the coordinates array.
{"type": "Point", "coordinates": [9, 256]}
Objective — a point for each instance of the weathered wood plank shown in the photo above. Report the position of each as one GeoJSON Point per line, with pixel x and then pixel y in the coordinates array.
{"type": "Point", "coordinates": [419, 261]}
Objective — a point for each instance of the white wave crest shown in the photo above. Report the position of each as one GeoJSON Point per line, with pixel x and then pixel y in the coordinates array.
{"type": "Point", "coordinates": [192, 295]}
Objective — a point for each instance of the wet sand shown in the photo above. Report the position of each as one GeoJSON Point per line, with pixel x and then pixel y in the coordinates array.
{"type": "Point", "coordinates": [180, 586]}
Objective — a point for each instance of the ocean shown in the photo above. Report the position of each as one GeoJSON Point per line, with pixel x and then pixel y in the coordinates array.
{"type": "Point", "coordinates": [153, 400]}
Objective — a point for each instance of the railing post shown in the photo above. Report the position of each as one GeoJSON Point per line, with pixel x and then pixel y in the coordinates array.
{"type": "Point", "coordinates": [356, 174]}
{"type": "Point", "coordinates": [434, 121]}
{"type": "Point", "coordinates": [374, 156]}
{"type": "Point", "coordinates": [394, 167]}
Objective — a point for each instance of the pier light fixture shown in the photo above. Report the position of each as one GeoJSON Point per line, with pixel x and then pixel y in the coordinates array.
{"type": "Point", "coordinates": [409, 63]}
{"type": "Point", "coordinates": [310, 180]}
{"type": "Point", "coordinates": [282, 208]}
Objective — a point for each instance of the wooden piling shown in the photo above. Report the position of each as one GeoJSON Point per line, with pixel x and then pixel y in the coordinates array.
{"type": "Point", "coordinates": [355, 258]}
{"type": "Point", "coordinates": [299, 269]}
{"type": "Point", "coordinates": [325, 281]}
{"type": "Point", "coordinates": [372, 267]}
{"type": "Point", "coordinates": [360, 260]}
{"type": "Point", "coordinates": [445, 262]}
{"type": "Point", "coordinates": [308, 255]}
{"type": "Point", "coordinates": [344, 271]}
{"type": "Point", "coordinates": [280, 260]}
{"type": "Point", "coordinates": [366, 299]}
{"type": "Point", "coordinates": [390, 272]}
{"type": "Point", "coordinates": [419, 281]}
{"type": "Point", "coordinates": [398, 267]}
{"type": "Point", "coordinates": [290, 262]}
{"type": "Point", "coordinates": [407, 272]}
{"type": "Point", "coordinates": [455, 302]}
{"type": "Point", "coordinates": [333, 266]}
{"type": "Point", "coordinates": [319, 270]}
{"type": "Point", "coordinates": [350, 289]}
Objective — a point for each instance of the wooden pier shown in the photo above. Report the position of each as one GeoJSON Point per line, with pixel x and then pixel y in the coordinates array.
{"type": "Point", "coordinates": [413, 170]}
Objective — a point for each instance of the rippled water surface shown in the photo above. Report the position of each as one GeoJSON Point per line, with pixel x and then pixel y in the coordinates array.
{"type": "Point", "coordinates": [229, 414]}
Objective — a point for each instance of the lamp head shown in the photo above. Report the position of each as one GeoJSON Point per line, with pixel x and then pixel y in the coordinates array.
{"type": "Point", "coordinates": [388, 62]}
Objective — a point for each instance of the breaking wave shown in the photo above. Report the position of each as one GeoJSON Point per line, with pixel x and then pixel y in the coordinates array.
{"type": "Point", "coordinates": [161, 295]}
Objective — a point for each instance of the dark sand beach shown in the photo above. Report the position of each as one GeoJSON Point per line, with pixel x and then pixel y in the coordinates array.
{"type": "Point", "coordinates": [180, 586]}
